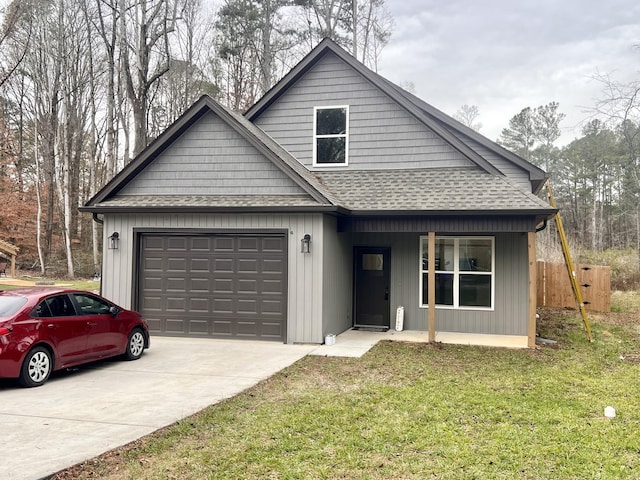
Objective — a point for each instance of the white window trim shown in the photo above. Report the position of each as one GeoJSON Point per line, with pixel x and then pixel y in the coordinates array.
{"type": "Point", "coordinates": [457, 272]}
{"type": "Point", "coordinates": [342, 135]}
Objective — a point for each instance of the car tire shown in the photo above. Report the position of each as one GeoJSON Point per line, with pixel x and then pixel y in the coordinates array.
{"type": "Point", "coordinates": [135, 344]}
{"type": "Point", "coordinates": [36, 368]}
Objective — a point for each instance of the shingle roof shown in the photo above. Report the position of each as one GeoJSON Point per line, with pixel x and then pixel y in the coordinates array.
{"type": "Point", "coordinates": [430, 190]}
{"type": "Point", "coordinates": [205, 201]}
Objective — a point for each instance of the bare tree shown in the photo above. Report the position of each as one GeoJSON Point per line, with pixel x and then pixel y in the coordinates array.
{"type": "Point", "coordinates": [11, 53]}
{"type": "Point", "coordinates": [145, 27]}
{"type": "Point", "coordinates": [467, 115]}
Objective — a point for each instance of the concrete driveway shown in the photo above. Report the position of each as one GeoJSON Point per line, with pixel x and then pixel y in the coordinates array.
{"type": "Point", "coordinates": [80, 414]}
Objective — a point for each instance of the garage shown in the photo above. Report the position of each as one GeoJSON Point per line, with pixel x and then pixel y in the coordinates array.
{"type": "Point", "coordinates": [219, 285]}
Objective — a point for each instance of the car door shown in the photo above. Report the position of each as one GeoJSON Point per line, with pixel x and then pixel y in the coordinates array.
{"type": "Point", "coordinates": [105, 336]}
{"type": "Point", "coordinates": [61, 326]}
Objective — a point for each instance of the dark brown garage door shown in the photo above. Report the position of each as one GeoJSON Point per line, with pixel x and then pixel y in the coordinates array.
{"type": "Point", "coordinates": [214, 285]}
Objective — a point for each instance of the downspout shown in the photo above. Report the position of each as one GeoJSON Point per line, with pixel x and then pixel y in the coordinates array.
{"type": "Point", "coordinates": [96, 219]}
{"type": "Point", "coordinates": [544, 226]}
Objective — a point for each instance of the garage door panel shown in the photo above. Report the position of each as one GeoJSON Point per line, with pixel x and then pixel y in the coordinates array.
{"type": "Point", "coordinates": [215, 285]}
{"type": "Point", "coordinates": [272, 265]}
{"type": "Point", "coordinates": [199, 305]}
{"type": "Point", "coordinates": [151, 244]}
{"type": "Point", "coordinates": [247, 306]}
{"type": "Point", "coordinates": [152, 283]}
{"type": "Point", "coordinates": [176, 284]}
{"type": "Point", "coordinates": [199, 327]}
{"type": "Point", "coordinates": [221, 327]}
{"type": "Point", "coordinates": [223, 244]}
{"type": "Point", "coordinates": [199, 284]}
{"type": "Point", "coordinates": [223, 306]}
{"type": "Point", "coordinates": [248, 244]}
{"type": "Point", "coordinates": [271, 330]}
{"type": "Point", "coordinates": [271, 307]}
{"type": "Point", "coordinates": [274, 287]}
{"type": "Point", "coordinates": [223, 265]}
{"type": "Point", "coordinates": [273, 244]}
{"type": "Point", "coordinates": [248, 265]}
{"type": "Point", "coordinates": [177, 244]}
{"type": "Point", "coordinates": [247, 286]}
{"type": "Point", "coordinates": [153, 264]}
{"type": "Point", "coordinates": [176, 264]}
{"type": "Point", "coordinates": [223, 286]}
{"type": "Point", "coordinates": [174, 326]}
{"type": "Point", "coordinates": [202, 244]}
{"type": "Point", "coordinates": [199, 265]}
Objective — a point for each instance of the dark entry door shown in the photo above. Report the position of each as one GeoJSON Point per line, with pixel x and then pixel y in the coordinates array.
{"type": "Point", "coordinates": [372, 286]}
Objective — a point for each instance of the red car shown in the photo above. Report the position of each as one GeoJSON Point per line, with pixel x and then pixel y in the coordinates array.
{"type": "Point", "coordinates": [43, 329]}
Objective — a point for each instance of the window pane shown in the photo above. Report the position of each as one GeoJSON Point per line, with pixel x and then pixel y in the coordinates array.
{"type": "Point", "coordinates": [331, 121]}
{"type": "Point", "coordinates": [424, 245]}
{"type": "Point", "coordinates": [475, 255]}
{"type": "Point", "coordinates": [444, 289]}
{"type": "Point", "coordinates": [372, 261]}
{"type": "Point", "coordinates": [475, 290]}
{"type": "Point", "coordinates": [444, 254]}
{"type": "Point", "coordinates": [331, 150]}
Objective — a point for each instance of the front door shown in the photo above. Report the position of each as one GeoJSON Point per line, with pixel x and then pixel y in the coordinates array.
{"type": "Point", "coordinates": [372, 286]}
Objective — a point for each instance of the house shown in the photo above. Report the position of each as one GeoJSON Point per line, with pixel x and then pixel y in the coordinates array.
{"type": "Point", "coordinates": [335, 199]}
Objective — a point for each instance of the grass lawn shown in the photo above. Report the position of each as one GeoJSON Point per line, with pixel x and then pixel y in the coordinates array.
{"type": "Point", "coordinates": [22, 282]}
{"type": "Point", "coordinates": [415, 411]}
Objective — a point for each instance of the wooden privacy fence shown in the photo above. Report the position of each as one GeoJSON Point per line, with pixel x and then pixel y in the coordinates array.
{"type": "Point", "coordinates": [554, 288]}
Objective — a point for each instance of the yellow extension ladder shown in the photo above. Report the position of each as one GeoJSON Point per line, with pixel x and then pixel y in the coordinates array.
{"type": "Point", "coordinates": [569, 263]}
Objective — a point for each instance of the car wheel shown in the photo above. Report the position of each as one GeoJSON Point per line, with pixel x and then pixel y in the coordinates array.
{"type": "Point", "coordinates": [36, 368]}
{"type": "Point", "coordinates": [135, 345]}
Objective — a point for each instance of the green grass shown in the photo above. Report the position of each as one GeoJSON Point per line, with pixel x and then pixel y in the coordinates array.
{"type": "Point", "coordinates": [416, 411]}
{"type": "Point", "coordinates": [82, 284]}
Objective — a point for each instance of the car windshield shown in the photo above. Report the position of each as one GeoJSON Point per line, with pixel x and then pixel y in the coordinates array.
{"type": "Point", "coordinates": [10, 305]}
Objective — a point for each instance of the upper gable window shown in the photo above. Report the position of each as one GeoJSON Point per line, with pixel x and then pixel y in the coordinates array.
{"type": "Point", "coordinates": [330, 142]}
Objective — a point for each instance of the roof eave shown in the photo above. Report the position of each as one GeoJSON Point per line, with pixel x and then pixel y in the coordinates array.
{"type": "Point", "coordinates": [104, 209]}
{"type": "Point", "coordinates": [546, 213]}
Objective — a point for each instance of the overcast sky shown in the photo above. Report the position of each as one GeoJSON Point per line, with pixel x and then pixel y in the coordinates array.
{"type": "Point", "coordinates": [505, 55]}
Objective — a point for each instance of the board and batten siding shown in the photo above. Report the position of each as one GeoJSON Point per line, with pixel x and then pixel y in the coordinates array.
{"type": "Point", "coordinates": [211, 158]}
{"type": "Point", "coordinates": [382, 135]}
{"type": "Point", "coordinates": [510, 315]}
{"type": "Point", "coordinates": [304, 295]}
{"type": "Point", "coordinates": [337, 278]}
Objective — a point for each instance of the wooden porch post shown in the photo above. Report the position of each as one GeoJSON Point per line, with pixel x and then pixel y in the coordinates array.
{"type": "Point", "coordinates": [431, 279]}
{"type": "Point", "coordinates": [531, 334]}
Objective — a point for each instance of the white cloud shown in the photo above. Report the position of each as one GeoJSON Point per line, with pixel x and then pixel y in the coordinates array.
{"type": "Point", "coordinates": [505, 55]}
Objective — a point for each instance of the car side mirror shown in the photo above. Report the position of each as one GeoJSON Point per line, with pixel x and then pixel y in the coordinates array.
{"type": "Point", "coordinates": [114, 310]}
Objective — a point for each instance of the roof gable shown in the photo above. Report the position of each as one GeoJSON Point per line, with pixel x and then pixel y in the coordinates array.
{"type": "Point", "coordinates": [230, 151]}
{"type": "Point", "coordinates": [461, 138]}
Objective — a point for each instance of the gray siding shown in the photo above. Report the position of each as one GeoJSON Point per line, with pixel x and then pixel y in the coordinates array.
{"type": "Point", "coordinates": [211, 158]}
{"type": "Point", "coordinates": [382, 135]}
{"type": "Point", "coordinates": [337, 278]}
{"type": "Point", "coordinates": [510, 316]}
{"type": "Point", "coordinates": [518, 175]}
{"type": "Point", "coordinates": [304, 296]}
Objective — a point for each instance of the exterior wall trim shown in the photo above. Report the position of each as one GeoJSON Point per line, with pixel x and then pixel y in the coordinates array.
{"type": "Point", "coordinates": [441, 224]}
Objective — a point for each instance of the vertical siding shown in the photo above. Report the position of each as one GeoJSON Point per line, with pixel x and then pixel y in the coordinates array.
{"type": "Point", "coordinates": [211, 158]}
{"type": "Point", "coordinates": [382, 135]}
{"type": "Point", "coordinates": [304, 296]}
{"type": "Point", "coordinates": [337, 278]}
{"type": "Point", "coordinates": [404, 274]}
{"type": "Point", "coordinates": [510, 315]}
